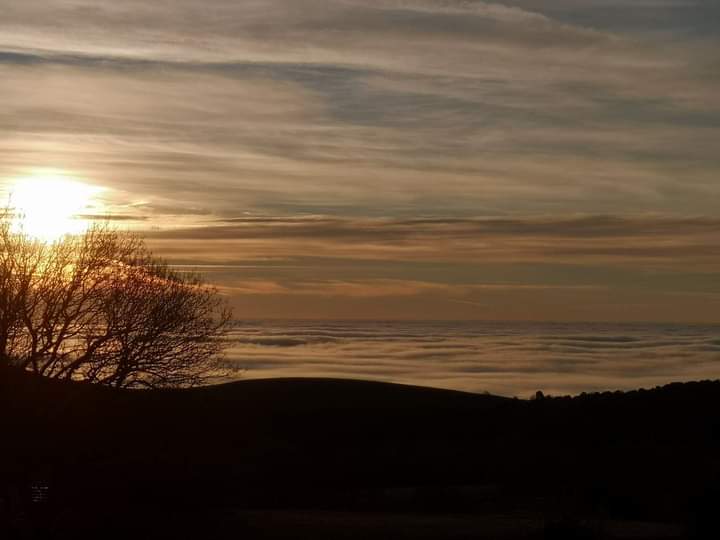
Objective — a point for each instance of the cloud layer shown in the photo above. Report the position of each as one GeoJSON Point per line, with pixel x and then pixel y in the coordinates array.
{"type": "Point", "coordinates": [507, 359]}
{"type": "Point", "coordinates": [580, 268]}
{"type": "Point", "coordinates": [460, 135]}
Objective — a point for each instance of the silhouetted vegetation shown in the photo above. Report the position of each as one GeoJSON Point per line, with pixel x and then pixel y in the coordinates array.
{"type": "Point", "coordinates": [100, 307]}
{"type": "Point", "coordinates": [304, 458]}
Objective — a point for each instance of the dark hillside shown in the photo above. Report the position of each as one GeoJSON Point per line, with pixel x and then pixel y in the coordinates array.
{"type": "Point", "coordinates": [357, 448]}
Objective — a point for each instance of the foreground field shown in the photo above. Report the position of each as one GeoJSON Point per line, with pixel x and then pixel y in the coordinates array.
{"type": "Point", "coordinates": [318, 458]}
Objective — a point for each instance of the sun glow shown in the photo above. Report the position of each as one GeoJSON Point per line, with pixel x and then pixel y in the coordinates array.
{"type": "Point", "coordinates": [48, 207]}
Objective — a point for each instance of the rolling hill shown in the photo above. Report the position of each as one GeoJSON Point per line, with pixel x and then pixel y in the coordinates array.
{"type": "Point", "coordinates": [287, 458]}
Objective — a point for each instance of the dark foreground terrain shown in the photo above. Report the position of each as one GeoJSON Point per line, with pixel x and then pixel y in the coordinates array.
{"type": "Point", "coordinates": [330, 459]}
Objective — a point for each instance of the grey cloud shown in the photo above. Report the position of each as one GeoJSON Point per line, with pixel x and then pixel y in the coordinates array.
{"type": "Point", "coordinates": [687, 16]}
{"type": "Point", "coordinates": [488, 26]}
{"type": "Point", "coordinates": [155, 209]}
{"type": "Point", "coordinates": [111, 217]}
{"type": "Point", "coordinates": [395, 230]}
{"type": "Point", "coordinates": [149, 23]}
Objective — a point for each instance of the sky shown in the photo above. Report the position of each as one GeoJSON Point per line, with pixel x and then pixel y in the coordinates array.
{"type": "Point", "coordinates": [389, 159]}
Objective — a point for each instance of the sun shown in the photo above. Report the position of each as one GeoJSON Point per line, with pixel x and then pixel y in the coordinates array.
{"type": "Point", "coordinates": [49, 207]}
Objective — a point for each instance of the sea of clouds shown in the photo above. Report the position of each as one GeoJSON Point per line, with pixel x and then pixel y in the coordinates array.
{"type": "Point", "coordinates": [513, 359]}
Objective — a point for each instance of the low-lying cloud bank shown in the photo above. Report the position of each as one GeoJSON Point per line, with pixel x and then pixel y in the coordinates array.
{"type": "Point", "coordinates": [502, 358]}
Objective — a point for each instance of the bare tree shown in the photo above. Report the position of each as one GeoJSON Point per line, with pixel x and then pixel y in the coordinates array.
{"type": "Point", "coordinates": [20, 258]}
{"type": "Point", "coordinates": [100, 307]}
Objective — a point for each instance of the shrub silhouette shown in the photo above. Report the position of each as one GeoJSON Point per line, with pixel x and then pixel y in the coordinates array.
{"type": "Point", "coordinates": [100, 307]}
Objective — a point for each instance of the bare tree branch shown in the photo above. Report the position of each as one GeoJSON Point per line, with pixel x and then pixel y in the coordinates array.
{"type": "Point", "coordinates": [100, 307]}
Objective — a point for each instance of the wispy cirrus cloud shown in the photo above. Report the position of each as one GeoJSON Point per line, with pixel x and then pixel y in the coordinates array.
{"type": "Point", "coordinates": [382, 116]}
{"type": "Point", "coordinates": [301, 103]}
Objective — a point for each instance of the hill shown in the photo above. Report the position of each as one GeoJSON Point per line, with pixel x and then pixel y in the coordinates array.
{"type": "Point", "coordinates": [288, 458]}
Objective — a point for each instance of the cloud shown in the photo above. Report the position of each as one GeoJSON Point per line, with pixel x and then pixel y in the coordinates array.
{"type": "Point", "coordinates": [424, 136]}
{"type": "Point", "coordinates": [380, 104]}
{"type": "Point", "coordinates": [491, 240]}
{"type": "Point", "coordinates": [359, 289]}
{"type": "Point", "coordinates": [384, 288]}
{"type": "Point", "coordinates": [510, 359]}
{"type": "Point", "coordinates": [580, 268]}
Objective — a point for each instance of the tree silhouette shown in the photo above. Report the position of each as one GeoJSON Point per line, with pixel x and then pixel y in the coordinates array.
{"type": "Point", "coordinates": [100, 307]}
